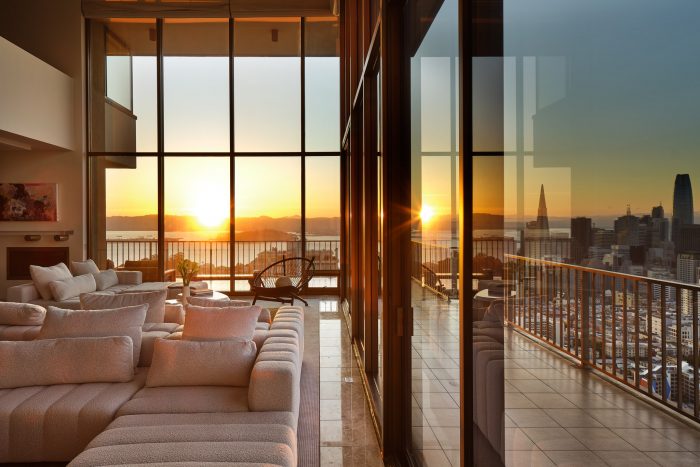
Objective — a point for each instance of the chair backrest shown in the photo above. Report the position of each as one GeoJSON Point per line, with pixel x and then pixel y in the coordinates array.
{"type": "Point", "coordinates": [299, 270]}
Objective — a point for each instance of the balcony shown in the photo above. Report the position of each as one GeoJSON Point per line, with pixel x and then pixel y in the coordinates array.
{"type": "Point", "coordinates": [214, 258]}
{"type": "Point", "coordinates": [578, 344]}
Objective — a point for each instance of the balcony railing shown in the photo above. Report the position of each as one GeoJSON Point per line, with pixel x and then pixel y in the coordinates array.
{"type": "Point", "coordinates": [639, 331]}
{"type": "Point", "coordinates": [214, 257]}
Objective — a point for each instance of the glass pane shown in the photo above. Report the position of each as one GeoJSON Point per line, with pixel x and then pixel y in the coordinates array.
{"type": "Point", "coordinates": [267, 85]}
{"type": "Point", "coordinates": [196, 85]}
{"type": "Point", "coordinates": [197, 200]}
{"type": "Point", "coordinates": [435, 239]}
{"type": "Point", "coordinates": [323, 218]}
{"type": "Point", "coordinates": [123, 85]}
{"type": "Point", "coordinates": [599, 198]}
{"type": "Point", "coordinates": [322, 85]}
{"type": "Point", "coordinates": [268, 214]}
{"type": "Point", "coordinates": [124, 213]}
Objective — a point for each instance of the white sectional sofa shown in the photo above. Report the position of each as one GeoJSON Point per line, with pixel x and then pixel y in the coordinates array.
{"type": "Point", "coordinates": [127, 422]}
{"type": "Point", "coordinates": [127, 282]}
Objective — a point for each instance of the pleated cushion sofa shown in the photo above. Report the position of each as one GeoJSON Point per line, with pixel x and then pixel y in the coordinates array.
{"type": "Point", "coordinates": [200, 401]}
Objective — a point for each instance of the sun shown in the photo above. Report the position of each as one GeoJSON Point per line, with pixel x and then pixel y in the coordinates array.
{"type": "Point", "coordinates": [212, 207]}
{"type": "Point", "coordinates": [426, 213]}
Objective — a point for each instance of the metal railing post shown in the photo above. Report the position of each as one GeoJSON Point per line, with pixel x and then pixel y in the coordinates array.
{"type": "Point", "coordinates": [585, 318]}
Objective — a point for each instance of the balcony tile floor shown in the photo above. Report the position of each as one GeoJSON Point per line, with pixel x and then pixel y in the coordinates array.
{"type": "Point", "coordinates": [555, 413]}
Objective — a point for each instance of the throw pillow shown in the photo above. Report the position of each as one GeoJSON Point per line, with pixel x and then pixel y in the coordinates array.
{"type": "Point", "coordinates": [215, 363]}
{"type": "Point", "coordinates": [66, 361]}
{"type": "Point", "coordinates": [21, 314]}
{"type": "Point", "coordinates": [126, 321]}
{"type": "Point", "coordinates": [84, 267]}
{"type": "Point", "coordinates": [283, 281]}
{"type": "Point", "coordinates": [214, 303]}
{"type": "Point", "coordinates": [102, 301]}
{"type": "Point", "coordinates": [42, 276]}
{"type": "Point", "coordinates": [106, 279]}
{"type": "Point", "coordinates": [203, 324]}
{"type": "Point", "coordinates": [72, 287]}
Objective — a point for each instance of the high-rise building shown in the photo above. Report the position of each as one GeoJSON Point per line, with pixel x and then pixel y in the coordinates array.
{"type": "Point", "coordinates": [657, 227]}
{"type": "Point", "coordinates": [603, 238]}
{"type": "Point", "coordinates": [540, 227]}
{"type": "Point", "coordinates": [682, 205]}
{"type": "Point", "coordinates": [581, 237]}
{"type": "Point", "coordinates": [687, 266]}
{"type": "Point", "coordinates": [627, 229]}
{"type": "Point", "coordinates": [688, 238]}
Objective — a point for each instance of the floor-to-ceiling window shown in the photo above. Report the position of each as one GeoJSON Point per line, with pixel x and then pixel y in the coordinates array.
{"type": "Point", "coordinates": [204, 137]}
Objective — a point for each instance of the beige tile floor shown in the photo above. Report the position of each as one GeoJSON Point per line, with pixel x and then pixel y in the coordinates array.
{"type": "Point", "coordinates": [556, 414]}
{"type": "Point", "coordinates": [347, 435]}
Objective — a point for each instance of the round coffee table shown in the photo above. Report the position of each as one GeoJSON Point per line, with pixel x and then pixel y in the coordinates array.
{"type": "Point", "coordinates": [214, 296]}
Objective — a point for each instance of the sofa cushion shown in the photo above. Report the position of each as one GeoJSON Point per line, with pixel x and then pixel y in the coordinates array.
{"type": "Point", "coordinates": [78, 268]}
{"type": "Point", "coordinates": [125, 321]}
{"type": "Point", "coordinates": [213, 363]}
{"type": "Point", "coordinates": [106, 279]}
{"type": "Point", "coordinates": [160, 327]}
{"type": "Point", "coordinates": [195, 439]}
{"type": "Point", "coordinates": [72, 287]}
{"type": "Point", "coordinates": [66, 361]}
{"type": "Point", "coordinates": [119, 288]}
{"type": "Point", "coordinates": [148, 287]}
{"type": "Point", "coordinates": [42, 276]}
{"type": "Point", "coordinates": [19, 333]}
{"type": "Point", "coordinates": [101, 301]}
{"type": "Point", "coordinates": [209, 302]}
{"type": "Point", "coordinates": [70, 304]}
{"type": "Point", "coordinates": [220, 323]}
{"type": "Point", "coordinates": [21, 314]}
{"type": "Point", "coordinates": [187, 399]}
{"type": "Point", "coordinates": [55, 423]}
{"type": "Point", "coordinates": [148, 342]}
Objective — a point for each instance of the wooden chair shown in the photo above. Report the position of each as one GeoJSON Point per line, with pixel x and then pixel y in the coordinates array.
{"type": "Point", "coordinates": [283, 281]}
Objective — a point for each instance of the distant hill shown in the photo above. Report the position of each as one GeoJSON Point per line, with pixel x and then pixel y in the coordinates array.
{"type": "Point", "coordinates": [314, 225]}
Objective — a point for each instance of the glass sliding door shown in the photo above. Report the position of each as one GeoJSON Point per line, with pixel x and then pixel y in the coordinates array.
{"type": "Point", "coordinates": [435, 241]}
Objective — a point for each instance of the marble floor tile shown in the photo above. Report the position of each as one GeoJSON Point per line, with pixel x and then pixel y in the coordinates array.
{"type": "Point", "coordinates": [600, 439]}
{"type": "Point", "coordinates": [575, 458]}
{"type": "Point", "coordinates": [647, 439]}
{"type": "Point", "coordinates": [553, 439]}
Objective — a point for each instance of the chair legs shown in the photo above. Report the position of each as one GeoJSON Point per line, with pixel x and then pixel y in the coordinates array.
{"type": "Point", "coordinates": [299, 298]}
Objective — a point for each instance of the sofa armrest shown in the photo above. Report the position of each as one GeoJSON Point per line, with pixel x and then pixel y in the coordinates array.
{"type": "Point", "coordinates": [174, 313]}
{"type": "Point", "coordinates": [274, 387]}
{"type": "Point", "coordinates": [23, 293]}
{"type": "Point", "coordinates": [130, 277]}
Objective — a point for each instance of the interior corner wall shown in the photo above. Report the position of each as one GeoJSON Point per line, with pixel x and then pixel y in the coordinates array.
{"type": "Point", "coordinates": [53, 32]}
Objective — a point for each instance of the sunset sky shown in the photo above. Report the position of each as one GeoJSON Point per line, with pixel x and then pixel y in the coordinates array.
{"type": "Point", "coordinates": [603, 125]}
{"type": "Point", "coordinates": [196, 118]}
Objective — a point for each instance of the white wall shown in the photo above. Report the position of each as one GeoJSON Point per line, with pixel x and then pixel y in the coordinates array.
{"type": "Point", "coordinates": [53, 32]}
{"type": "Point", "coordinates": [37, 99]}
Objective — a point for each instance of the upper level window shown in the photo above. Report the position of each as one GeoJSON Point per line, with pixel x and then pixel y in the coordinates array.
{"type": "Point", "coordinates": [267, 84]}
{"type": "Point", "coordinates": [196, 85]}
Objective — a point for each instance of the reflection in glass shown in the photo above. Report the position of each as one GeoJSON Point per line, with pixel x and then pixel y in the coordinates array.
{"type": "Point", "coordinates": [197, 200]}
{"type": "Point", "coordinates": [435, 242]}
{"type": "Point", "coordinates": [267, 85]}
{"type": "Point", "coordinates": [123, 114]}
{"type": "Point", "coordinates": [196, 85]}
{"type": "Point", "coordinates": [268, 213]}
